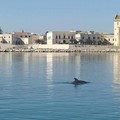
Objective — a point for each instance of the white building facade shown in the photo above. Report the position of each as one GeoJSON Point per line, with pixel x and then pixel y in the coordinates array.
{"type": "Point", "coordinates": [60, 37]}
{"type": "Point", "coordinates": [6, 38]}
{"type": "Point", "coordinates": [117, 30]}
{"type": "Point", "coordinates": [21, 38]}
{"type": "Point", "coordinates": [91, 35]}
{"type": "Point", "coordinates": [109, 38]}
{"type": "Point", "coordinates": [67, 37]}
{"type": "Point", "coordinates": [24, 38]}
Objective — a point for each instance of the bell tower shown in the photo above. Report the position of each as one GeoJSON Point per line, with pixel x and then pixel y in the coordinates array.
{"type": "Point", "coordinates": [117, 30]}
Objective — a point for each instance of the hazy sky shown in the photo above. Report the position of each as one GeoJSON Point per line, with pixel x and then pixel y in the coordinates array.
{"type": "Point", "coordinates": [39, 16]}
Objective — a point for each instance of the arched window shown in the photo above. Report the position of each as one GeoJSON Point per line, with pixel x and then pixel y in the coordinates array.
{"type": "Point", "coordinates": [88, 38]}
{"type": "Point", "coordinates": [64, 41]}
{"type": "Point", "coordinates": [72, 37]}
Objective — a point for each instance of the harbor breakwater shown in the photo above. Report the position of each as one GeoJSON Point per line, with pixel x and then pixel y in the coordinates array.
{"type": "Point", "coordinates": [58, 48]}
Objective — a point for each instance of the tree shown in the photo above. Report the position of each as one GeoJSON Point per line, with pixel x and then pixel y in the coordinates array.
{"type": "Point", "coordinates": [93, 42]}
{"type": "Point", "coordinates": [88, 42]}
{"type": "Point", "coordinates": [73, 41]}
{"type": "Point", "coordinates": [99, 42]}
{"type": "Point", "coordinates": [81, 41]}
{"type": "Point", "coordinates": [1, 32]}
{"type": "Point", "coordinates": [38, 41]}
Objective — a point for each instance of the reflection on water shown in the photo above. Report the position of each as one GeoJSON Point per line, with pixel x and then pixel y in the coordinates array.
{"type": "Point", "coordinates": [49, 68]}
{"type": "Point", "coordinates": [7, 61]}
{"type": "Point", "coordinates": [116, 68]}
{"type": "Point", "coordinates": [48, 62]}
{"type": "Point", "coordinates": [116, 80]}
{"type": "Point", "coordinates": [30, 89]}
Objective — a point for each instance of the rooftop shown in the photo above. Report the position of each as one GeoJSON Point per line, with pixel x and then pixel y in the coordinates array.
{"type": "Point", "coordinates": [22, 33]}
{"type": "Point", "coordinates": [117, 17]}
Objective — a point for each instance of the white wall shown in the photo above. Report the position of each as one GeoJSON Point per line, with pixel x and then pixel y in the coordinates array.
{"type": "Point", "coordinates": [117, 32]}
{"type": "Point", "coordinates": [49, 38]}
{"type": "Point", "coordinates": [6, 38]}
{"type": "Point", "coordinates": [91, 36]}
{"type": "Point", "coordinates": [25, 40]}
{"type": "Point", "coordinates": [55, 46]}
{"type": "Point", "coordinates": [60, 37]}
{"type": "Point", "coordinates": [109, 38]}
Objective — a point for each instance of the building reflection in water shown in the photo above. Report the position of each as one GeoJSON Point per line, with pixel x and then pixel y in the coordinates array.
{"type": "Point", "coordinates": [6, 60]}
{"type": "Point", "coordinates": [77, 65]}
{"type": "Point", "coordinates": [64, 62]}
{"type": "Point", "coordinates": [116, 81]}
{"type": "Point", "coordinates": [116, 68]}
{"type": "Point", "coordinates": [49, 69]}
{"type": "Point", "coordinates": [26, 64]}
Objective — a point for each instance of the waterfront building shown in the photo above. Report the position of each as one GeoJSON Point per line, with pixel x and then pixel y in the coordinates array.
{"type": "Point", "coordinates": [79, 37]}
{"type": "Point", "coordinates": [24, 38]}
{"type": "Point", "coordinates": [117, 30]}
{"type": "Point", "coordinates": [21, 38]}
{"type": "Point", "coordinates": [88, 36]}
{"type": "Point", "coordinates": [109, 38]}
{"type": "Point", "coordinates": [6, 38]}
{"type": "Point", "coordinates": [60, 37]}
{"type": "Point", "coordinates": [40, 39]}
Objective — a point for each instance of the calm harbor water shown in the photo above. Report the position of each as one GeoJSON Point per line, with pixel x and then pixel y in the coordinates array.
{"type": "Point", "coordinates": [35, 86]}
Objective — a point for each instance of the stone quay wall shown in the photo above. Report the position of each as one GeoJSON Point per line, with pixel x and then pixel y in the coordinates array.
{"type": "Point", "coordinates": [58, 48]}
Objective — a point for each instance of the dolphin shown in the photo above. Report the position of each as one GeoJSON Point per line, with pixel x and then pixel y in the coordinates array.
{"type": "Point", "coordinates": [78, 82]}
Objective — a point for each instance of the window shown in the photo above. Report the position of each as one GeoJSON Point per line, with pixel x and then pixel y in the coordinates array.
{"type": "Point", "coordinates": [89, 38]}
{"type": "Point", "coordinates": [68, 37]}
{"type": "Point", "coordinates": [64, 36]}
{"type": "Point", "coordinates": [56, 37]}
{"type": "Point", "coordinates": [59, 37]}
{"type": "Point", "coordinates": [98, 38]}
{"type": "Point", "coordinates": [82, 37]}
{"type": "Point", "coordinates": [64, 41]}
{"type": "Point", "coordinates": [93, 37]}
{"type": "Point", "coordinates": [71, 37]}
{"type": "Point", "coordinates": [21, 36]}
{"type": "Point", "coordinates": [25, 35]}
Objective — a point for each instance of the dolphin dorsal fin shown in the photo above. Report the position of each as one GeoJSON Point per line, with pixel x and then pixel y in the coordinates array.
{"type": "Point", "coordinates": [75, 79]}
